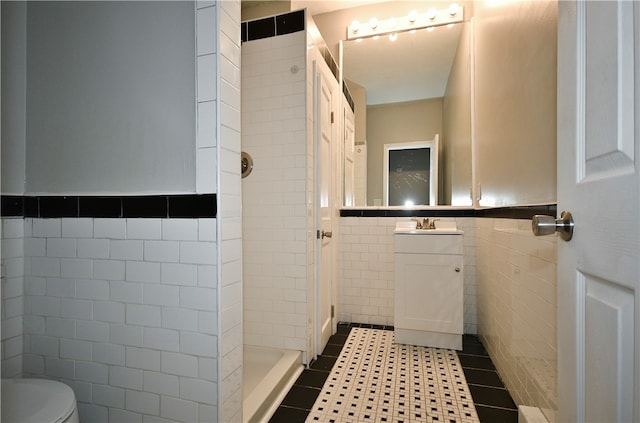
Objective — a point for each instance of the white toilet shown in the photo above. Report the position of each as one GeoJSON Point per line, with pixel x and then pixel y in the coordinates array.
{"type": "Point", "coordinates": [38, 401]}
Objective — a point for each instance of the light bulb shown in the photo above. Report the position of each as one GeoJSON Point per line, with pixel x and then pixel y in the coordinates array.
{"type": "Point", "coordinates": [413, 16]}
{"type": "Point", "coordinates": [373, 23]}
{"type": "Point", "coordinates": [432, 13]}
{"type": "Point", "coordinates": [453, 9]}
{"type": "Point", "coordinates": [393, 36]}
{"type": "Point", "coordinates": [355, 26]}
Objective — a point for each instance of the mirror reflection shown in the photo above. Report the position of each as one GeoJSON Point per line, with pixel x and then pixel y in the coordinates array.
{"type": "Point", "coordinates": [410, 88]}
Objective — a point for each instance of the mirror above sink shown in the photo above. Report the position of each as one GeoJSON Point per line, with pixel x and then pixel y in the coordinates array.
{"type": "Point", "coordinates": [513, 59]}
{"type": "Point", "coordinates": [411, 88]}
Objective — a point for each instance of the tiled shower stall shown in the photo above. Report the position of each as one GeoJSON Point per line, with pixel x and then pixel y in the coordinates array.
{"type": "Point", "coordinates": [275, 194]}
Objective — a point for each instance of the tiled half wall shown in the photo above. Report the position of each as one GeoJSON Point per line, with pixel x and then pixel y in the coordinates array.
{"type": "Point", "coordinates": [517, 308]}
{"type": "Point", "coordinates": [366, 264]}
{"type": "Point", "coordinates": [123, 310]}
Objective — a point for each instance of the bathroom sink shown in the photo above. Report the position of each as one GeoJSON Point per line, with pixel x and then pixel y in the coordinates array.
{"type": "Point", "coordinates": [437, 231]}
{"type": "Point", "coordinates": [443, 227]}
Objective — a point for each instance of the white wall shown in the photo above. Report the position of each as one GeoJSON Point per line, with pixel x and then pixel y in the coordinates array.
{"type": "Point", "coordinates": [517, 308]}
{"type": "Point", "coordinates": [274, 195]}
{"type": "Point", "coordinates": [456, 159]}
{"type": "Point", "coordinates": [515, 102]}
{"type": "Point", "coordinates": [14, 85]}
{"type": "Point", "coordinates": [110, 107]}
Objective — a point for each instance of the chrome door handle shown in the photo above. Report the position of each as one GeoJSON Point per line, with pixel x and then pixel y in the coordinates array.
{"type": "Point", "coordinates": [548, 225]}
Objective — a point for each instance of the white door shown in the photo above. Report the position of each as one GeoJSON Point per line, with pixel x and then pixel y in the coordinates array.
{"type": "Point", "coordinates": [349, 156]}
{"type": "Point", "coordinates": [598, 131]}
{"type": "Point", "coordinates": [324, 135]}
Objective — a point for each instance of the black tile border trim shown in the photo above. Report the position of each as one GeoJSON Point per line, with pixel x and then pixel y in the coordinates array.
{"type": "Point", "coordinates": [286, 23]}
{"type": "Point", "coordinates": [518, 212]}
{"type": "Point", "coordinates": [190, 206]}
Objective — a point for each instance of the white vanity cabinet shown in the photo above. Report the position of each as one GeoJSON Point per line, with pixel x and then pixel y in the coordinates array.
{"type": "Point", "coordinates": [429, 288]}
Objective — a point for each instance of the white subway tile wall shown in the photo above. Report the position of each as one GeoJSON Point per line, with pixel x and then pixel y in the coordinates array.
{"type": "Point", "coordinates": [366, 266]}
{"type": "Point", "coordinates": [124, 331]}
{"type": "Point", "coordinates": [13, 291]}
{"type": "Point", "coordinates": [226, 318]}
{"type": "Point", "coordinates": [274, 195]}
{"type": "Point", "coordinates": [517, 308]}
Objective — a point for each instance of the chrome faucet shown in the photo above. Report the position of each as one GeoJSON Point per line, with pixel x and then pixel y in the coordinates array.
{"type": "Point", "coordinates": [426, 223]}
{"type": "Point", "coordinates": [432, 224]}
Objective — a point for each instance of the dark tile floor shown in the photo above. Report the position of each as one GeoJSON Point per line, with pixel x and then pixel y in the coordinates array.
{"type": "Point", "coordinates": [492, 400]}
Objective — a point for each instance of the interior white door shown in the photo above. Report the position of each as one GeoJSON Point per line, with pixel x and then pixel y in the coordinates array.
{"type": "Point", "coordinates": [349, 156]}
{"type": "Point", "coordinates": [324, 92]}
{"type": "Point", "coordinates": [598, 287]}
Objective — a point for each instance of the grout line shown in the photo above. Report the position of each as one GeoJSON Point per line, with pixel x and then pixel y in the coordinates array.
{"type": "Point", "coordinates": [479, 368]}
{"type": "Point", "coordinates": [496, 407]}
{"type": "Point", "coordinates": [503, 388]}
{"type": "Point", "coordinates": [294, 408]}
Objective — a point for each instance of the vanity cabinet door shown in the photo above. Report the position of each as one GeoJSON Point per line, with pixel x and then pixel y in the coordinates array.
{"type": "Point", "coordinates": [428, 292]}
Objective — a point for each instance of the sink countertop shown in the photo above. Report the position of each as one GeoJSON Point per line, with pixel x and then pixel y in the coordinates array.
{"type": "Point", "coordinates": [445, 227]}
{"type": "Point", "coordinates": [437, 231]}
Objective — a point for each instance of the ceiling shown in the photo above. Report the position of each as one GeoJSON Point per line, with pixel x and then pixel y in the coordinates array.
{"type": "Point", "coordinates": [317, 7]}
{"type": "Point", "coordinates": [414, 67]}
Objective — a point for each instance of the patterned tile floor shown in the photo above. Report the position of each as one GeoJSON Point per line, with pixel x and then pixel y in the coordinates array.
{"type": "Point", "coordinates": [411, 367]}
{"type": "Point", "coordinates": [375, 380]}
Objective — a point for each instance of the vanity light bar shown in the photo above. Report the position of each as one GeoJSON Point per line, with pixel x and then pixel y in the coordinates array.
{"type": "Point", "coordinates": [433, 17]}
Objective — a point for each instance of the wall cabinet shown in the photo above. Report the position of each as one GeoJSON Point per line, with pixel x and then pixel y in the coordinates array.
{"type": "Point", "coordinates": [429, 289]}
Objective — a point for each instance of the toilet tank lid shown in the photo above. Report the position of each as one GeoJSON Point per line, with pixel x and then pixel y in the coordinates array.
{"type": "Point", "coordinates": [36, 400]}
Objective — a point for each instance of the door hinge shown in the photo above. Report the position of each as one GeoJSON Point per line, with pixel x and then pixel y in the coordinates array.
{"type": "Point", "coordinates": [331, 117]}
{"type": "Point", "coordinates": [333, 311]}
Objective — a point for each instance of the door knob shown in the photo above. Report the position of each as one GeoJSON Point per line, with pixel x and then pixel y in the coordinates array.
{"type": "Point", "coordinates": [547, 225]}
